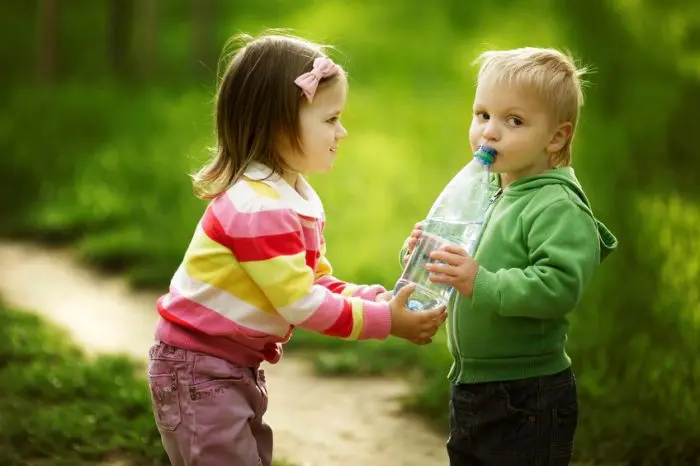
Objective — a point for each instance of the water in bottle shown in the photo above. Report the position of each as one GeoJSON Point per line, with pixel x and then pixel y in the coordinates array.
{"type": "Point", "coordinates": [456, 217]}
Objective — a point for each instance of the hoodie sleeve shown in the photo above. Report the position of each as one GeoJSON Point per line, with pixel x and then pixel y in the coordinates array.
{"type": "Point", "coordinates": [564, 250]}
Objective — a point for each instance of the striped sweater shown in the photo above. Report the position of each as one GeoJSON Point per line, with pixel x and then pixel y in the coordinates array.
{"type": "Point", "coordinates": [255, 269]}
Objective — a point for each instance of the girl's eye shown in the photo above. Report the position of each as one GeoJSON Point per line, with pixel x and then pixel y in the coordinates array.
{"type": "Point", "coordinates": [483, 116]}
{"type": "Point", "coordinates": [333, 119]}
{"type": "Point", "coordinates": [515, 121]}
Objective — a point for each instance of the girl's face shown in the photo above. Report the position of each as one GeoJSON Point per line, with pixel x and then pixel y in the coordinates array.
{"type": "Point", "coordinates": [320, 129]}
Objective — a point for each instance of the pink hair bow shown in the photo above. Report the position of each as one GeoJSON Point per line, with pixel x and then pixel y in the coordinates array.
{"type": "Point", "coordinates": [308, 82]}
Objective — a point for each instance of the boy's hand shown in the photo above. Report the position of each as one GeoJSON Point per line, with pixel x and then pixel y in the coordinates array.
{"type": "Point", "coordinates": [417, 327]}
{"type": "Point", "coordinates": [413, 240]}
{"type": "Point", "coordinates": [459, 270]}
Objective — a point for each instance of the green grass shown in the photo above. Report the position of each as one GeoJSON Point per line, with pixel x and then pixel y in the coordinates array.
{"type": "Point", "coordinates": [60, 407]}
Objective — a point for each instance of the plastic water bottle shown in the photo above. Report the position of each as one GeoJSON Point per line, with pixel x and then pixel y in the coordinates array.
{"type": "Point", "coordinates": [456, 217]}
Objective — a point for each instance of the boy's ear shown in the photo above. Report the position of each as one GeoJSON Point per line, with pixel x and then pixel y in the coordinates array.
{"type": "Point", "coordinates": [560, 137]}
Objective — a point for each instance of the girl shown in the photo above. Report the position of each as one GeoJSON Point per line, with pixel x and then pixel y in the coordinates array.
{"type": "Point", "coordinates": [256, 265]}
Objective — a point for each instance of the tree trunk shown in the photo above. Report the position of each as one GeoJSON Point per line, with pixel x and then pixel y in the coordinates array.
{"type": "Point", "coordinates": [119, 35]}
{"type": "Point", "coordinates": [148, 23]}
{"type": "Point", "coordinates": [203, 38]}
{"type": "Point", "coordinates": [47, 41]}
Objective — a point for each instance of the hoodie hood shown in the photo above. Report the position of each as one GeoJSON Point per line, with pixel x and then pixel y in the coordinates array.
{"type": "Point", "coordinates": [567, 177]}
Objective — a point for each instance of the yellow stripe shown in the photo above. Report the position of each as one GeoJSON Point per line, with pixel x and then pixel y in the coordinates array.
{"type": "Point", "coordinates": [323, 267]}
{"type": "Point", "coordinates": [211, 263]}
{"type": "Point", "coordinates": [285, 279]}
{"type": "Point", "coordinates": [358, 318]}
{"type": "Point", "coordinates": [348, 291]}
{"type": "Point", "coordinates": [263, 189]}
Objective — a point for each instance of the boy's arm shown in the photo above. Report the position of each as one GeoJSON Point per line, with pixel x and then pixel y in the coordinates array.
{"type": "Point", "coordinates": [276, 263]}
{"type": "Point", "coordinates": [563, 251]}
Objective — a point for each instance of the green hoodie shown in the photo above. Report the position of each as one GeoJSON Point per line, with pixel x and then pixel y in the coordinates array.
{"type": "Point", "coordinates": [538, 250]}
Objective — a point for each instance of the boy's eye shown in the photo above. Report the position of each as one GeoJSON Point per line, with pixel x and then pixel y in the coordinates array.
{"type": "Point", "coordinates": [333, 119]}
{"type": "Point", "coordinates": [515, 121]}
{"type": "Point", "coordinates": [483, 116]}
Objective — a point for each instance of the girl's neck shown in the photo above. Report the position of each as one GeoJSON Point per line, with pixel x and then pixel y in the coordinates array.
{"type": "Point", "coordinates": [292, 179]}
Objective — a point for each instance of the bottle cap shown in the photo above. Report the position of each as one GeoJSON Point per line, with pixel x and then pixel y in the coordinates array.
{"type": "Point", "coordinates": [485, 155]}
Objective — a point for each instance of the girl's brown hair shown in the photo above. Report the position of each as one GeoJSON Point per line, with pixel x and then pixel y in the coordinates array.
{"type": "Point", "coordinates": [257, 106]}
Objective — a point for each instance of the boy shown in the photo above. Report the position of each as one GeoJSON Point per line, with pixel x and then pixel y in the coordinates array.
{"type": "Point", "coordinates": [514, 398]}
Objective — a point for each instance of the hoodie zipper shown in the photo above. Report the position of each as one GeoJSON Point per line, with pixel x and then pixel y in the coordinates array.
{"type": "Point", "coordinates": [495, 196]}
{"type": "Point", "coordinates": [455, 340]}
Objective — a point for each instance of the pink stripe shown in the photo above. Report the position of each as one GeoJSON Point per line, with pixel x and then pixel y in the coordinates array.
{"type": "Point", "coordinates": [369, 292]}
{"type": "Point", "coordinates": [345, 324]}
{"type": "Point", "coordinates": [332, 283]}
{"type": "Point", "coordinates": [252, 224]}
{"type": "Point", "coordinates": [377, 321]}
{"type": "Point", "coordinates": [200, 317]}
{"type": "Point", "coordinates": [312, 238]}
{"type": "Point", "coordinates": [312, 244]}
{"type": "Point", "coordinates": [241, 351]}
{"type": "Point", "coordinates": [327, 313]}
{"type": "Point", "coordinates": [206, 320]}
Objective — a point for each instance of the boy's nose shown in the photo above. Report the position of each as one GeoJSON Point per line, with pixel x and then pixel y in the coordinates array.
{"type": "Point", "coordinates": [490, 131]}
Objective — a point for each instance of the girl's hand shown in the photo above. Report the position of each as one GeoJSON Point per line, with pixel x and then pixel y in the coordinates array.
{"type": "Point", "coordinates": [417, 327]}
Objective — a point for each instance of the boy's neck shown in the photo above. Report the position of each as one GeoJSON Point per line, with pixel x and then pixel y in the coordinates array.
{"type": "Point", "coordinates": [509, 178]}
{"type": "Point", "coordinates": [533, 170]}
{"type": "Point", "coordinates": [505, 179]}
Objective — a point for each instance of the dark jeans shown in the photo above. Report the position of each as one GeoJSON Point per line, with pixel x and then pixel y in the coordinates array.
{"type": "Point", "coordinates": [528, 422]}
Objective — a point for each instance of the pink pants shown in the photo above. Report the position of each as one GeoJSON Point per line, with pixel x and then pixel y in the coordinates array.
{"type": "Point", "coordinates": [208, 411]}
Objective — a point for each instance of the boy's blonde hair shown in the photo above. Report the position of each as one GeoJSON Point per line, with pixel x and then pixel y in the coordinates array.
{"type": "Point", "coordinates": [552, 74]}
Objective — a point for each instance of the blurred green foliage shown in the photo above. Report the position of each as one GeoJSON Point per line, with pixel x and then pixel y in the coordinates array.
{"type": "Point", "coordinates": [101, 161]}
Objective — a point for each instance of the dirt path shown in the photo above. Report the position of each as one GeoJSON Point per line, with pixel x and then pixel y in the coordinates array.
{"type": "Point", "coordinates": [317, 421]}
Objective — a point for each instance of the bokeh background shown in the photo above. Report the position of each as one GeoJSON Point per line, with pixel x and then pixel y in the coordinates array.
{"type": "Point", "coordinates": [106, 106]}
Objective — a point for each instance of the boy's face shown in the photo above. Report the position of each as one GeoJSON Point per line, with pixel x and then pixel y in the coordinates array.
{"type": "Point", "coordinates": [518, 125]}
